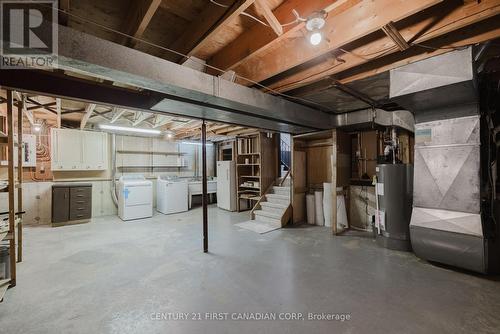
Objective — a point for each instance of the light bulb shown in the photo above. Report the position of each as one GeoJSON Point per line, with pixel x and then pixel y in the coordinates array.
{"type": "Point", "coordinates": [315, 38]}
{"type": "Point", "coordinates": [37, 127]}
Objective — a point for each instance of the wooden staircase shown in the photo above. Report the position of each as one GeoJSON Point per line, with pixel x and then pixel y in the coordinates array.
{"type": "Point", "coordinates": [274, 207]}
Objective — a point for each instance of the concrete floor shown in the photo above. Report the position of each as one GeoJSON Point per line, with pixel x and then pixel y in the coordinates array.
{"type": "Point", "coordinates": [115, 277]}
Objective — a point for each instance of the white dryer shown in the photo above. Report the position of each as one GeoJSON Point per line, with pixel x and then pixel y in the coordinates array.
{"type": "Point", "coordinates": [135, 197]}
{"type": "Point", "coordinates": [171, 195]}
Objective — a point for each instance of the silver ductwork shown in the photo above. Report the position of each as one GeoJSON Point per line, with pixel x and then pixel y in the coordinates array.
{"type": "Point", "coordinates": [446, 223]}
{"type": "Point", "coordinates": [368, 118]}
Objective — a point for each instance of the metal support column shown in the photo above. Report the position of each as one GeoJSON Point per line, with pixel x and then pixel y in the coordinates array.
{"type": "Point", "coordinates": [12, 187]}
{"type": "Point", "coordinates": [20, 107]}
{"type": "Point", "coordinates": [205, 187]}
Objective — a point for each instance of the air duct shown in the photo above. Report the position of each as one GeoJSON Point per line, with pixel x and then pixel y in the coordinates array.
{"type": "Point", "coordinates": [446, 224]}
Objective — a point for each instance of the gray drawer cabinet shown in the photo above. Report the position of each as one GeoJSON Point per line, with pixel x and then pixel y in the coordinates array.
{"type": "Point", "coordinates": [71, 202]}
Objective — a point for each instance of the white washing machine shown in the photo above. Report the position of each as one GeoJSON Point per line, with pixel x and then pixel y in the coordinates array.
{"type": "Point", "coordinates": [135, 197]}
{"type": "Point", "coordinates": [171, 195]}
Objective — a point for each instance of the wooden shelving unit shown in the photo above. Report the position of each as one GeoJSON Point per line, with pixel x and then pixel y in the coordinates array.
{"type": "Point", "coordinates": [150, 152]}
{"type": "Point", "coordinates": [256, 167]}
{"type": "Point", "coordinates": [12, 231]}
{"type": "Point", "coordinates": [151, 167]}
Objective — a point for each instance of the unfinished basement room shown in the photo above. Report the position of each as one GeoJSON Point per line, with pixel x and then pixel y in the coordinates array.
{"type": "Point", "coordinates": [249, 166]}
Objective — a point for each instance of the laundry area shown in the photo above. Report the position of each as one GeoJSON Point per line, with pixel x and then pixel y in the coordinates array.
{"type": "Point", "coordinates": [260, 166]}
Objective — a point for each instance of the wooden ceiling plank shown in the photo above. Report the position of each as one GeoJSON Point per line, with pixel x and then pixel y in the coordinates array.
{"type": "Point", "coordinates": [210, 22]}
{"type": "Point", "coordinates": [259, 37]}
{"type": "Point", "coordinates": [89, 109]}
{"type": "Point", "coordinates": [456, 19]}
{"type": "Point", "coordinates": [140, 14]}
{"type": "Point", "coordinates": [269, 16]}
{"type": "Point", "coordinates": [348, 26]}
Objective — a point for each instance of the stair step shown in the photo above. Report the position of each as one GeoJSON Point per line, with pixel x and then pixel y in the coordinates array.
{"type": "Point", "coordinates": [278, 199]}
{"type": "Point", "coordinates": [277, 196]}
{"type": "Point", "coordinates": [260, 216]}
{"type": "Point", "coordinates": [282, 190]}
{"type": "Point", "coordinates": [267, 214]}
{"type": "Point", "coordinates": [274, 205]}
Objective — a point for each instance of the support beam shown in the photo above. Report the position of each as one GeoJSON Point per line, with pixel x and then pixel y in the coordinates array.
{"type": "Point", "coordinates": [139, 15]}
{"type": "Point", "coordinates": [206, 26]}
{"type": "Point", "coordinates": [88, 112]}
{"type": "Point", "coordinates": [12, 186]}
{"type": "Point", "coordinates": [58, 109]}
{"type": "Point", "coordinates": [179, 89]}
{"type": "Point", "coordinates": [117, 114]}
{"type": "Point", "coordinates": [275, 24]}
{"type": "Point", "coordinates": [259, 38]}
{"type": "Point", "coordinates": [204, 185]}
{"type": "Point", "coordinates": [20, 108]}
{"type": "Point", "coordinates": [356, 22]}
{"type": "Point", "coordinates": [415, 31]}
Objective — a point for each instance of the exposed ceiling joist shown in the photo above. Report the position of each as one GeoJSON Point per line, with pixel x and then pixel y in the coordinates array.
{"type": "Point", "coordinates": [161, 120]}
{"type": "Point", "coordinates": [204, 29]}
{"type": "Point", "coordinates": [240, 132]}
{"type": "Point", "coordinates": [27, 113]}
{"type": "Point", "coordinates": [259, 37]}
{"type": "Point", "coordinates": [139, 15]}
{"type": "Point", "coordinates": [42, 106]}
{"type": "Point", "coordinates": [117, 114]}
{"type": "Point", "coordinates": [417, 32]}
{"type": "Point", "coordinates": [359, 21]}
{"type": "Point", "coordinates": [88, 112]}
{"type": "Point", "coordinates": [64, 7]}
{"type": "Point", "coordinates": [269, 16]}
{"type": "Point", "coordinates": [392, 32]}
{"type": "Point", "coordinates": [140, 117]}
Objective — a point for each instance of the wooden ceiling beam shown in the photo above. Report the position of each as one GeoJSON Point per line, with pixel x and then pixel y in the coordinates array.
{"type": "Point", "coordinates": [453, 20]}
{"type": "Point", "coordinates": [206, 26]}
{"type": "Point", "coordinates": [89, 109]}
{"type": "Point", "coordinates": [275, 24]}
{"type": "Point", "coordinates": [139, 15]}
{"type": "Point", "coordinates": [339, 30]}
{"type": "Point", "coordinates": [63, 16]}
{"type": "Point", "coordinates": [259, 37]}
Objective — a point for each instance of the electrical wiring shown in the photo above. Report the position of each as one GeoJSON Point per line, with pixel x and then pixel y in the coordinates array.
{"type": "Point", "coordinates": [297, 20]}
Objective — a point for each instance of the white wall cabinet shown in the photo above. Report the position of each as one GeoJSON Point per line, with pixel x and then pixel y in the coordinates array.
{"type": "Point", "coordinates": [77, 150]}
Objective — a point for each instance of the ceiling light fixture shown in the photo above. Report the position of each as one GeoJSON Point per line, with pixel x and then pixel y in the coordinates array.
{"type": "Point", "coordinates": [37, 127]}
{"type": "Point", "coordinates": [127, 129]}
{"type": "Point", "coordinates": [314, 24]}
